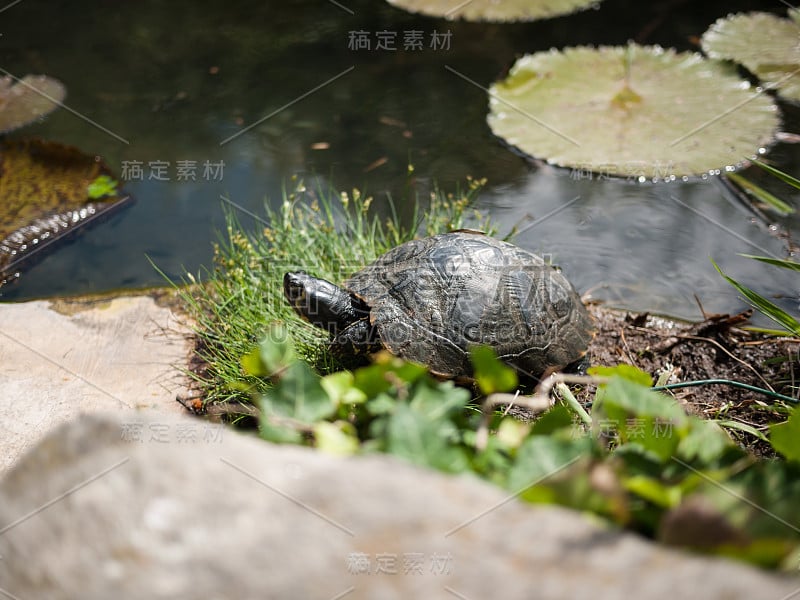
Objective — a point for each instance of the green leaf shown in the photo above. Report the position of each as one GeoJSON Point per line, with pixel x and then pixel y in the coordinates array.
{"type": "Point", "coordinates": [338, 438]}
{"type": "Point", "coordinates": [665, 496]}
{"type": "Point", "coordinates": [785, 437]}
{"type": "Point", "coordinates": [628, 372]}
{"type": "Point", "coordinates": [382, 404]}
{"type": "Point", "coordinates": [766, 553]}
{"type": "Point", "coordinates": [705, 441]}
{"type": "Point", "coordinates": [777, 262]}
{"type": "Point", "coordinates": [278, 434]}
{"type": "Point", "coordinates": [785, 177]}
{"type": "Point", "coordinates": [274, 354]}
{"type": "Point", "coordinates": [763, 305]}
{"type": "Point", "coordinates": [439, 399]}
{"type": "Point", "coordinates": [298, 396]}
{"type": "Point", "coordinates": [638, 400]}
{"type": "Point", "coordinates": [645, 421]}
{"type": "Point", "coordinates": [102, 186]}
{"type": "Point", "coordinates": [490, 373]}
{"type": "Point", "coordinates": [557, 417]}
{"type": "Point", "coordinates": [511, 433]}
{"type": "Point", "coordinates": [641, 112]}
{"type": "Point", "coordinates": [252, 364]}
{"type": "Point", "coordinates": [340, 387]}
{"type": "Point", "coordinates": [428, 442]}
{"type": "Point", "coordinates": [768, 331]}
{"type": "Point", "coordinates": [744, 427]}
{"type": "Point", "coordinates": [385, 372]}
{"type": "Point", "coordinates": [541, 457]}
{"type": "Point", "coordinates": [761, 194]}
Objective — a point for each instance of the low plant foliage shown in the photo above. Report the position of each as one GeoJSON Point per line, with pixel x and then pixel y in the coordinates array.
{"type": "Point", "coordinates": [643, 463]}
{"type": "Point", "coordinates": [634, 457]}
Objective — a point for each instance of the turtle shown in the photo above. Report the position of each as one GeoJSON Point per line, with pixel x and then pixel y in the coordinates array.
{"type": "Point", "coordinates": [430, 300]}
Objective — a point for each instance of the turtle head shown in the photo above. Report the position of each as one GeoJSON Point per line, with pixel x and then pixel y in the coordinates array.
{"type": "Point", "coordinates": [321, 302]}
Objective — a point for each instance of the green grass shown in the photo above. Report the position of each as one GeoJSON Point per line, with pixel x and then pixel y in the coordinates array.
{"type": "Point", "coordinates": [323, 232]}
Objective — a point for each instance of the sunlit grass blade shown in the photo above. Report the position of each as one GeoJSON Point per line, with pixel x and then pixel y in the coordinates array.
{"type": "Point", "coordinates": [743, 427]}
{"type": "Point", "coordinates": [763, 305]}
{"type": "Point", "coordinates": [761, 194]}
{"type": "Point", "coordinates": [778, 262]}
{"type": "Point", "coordinates": [785, 177]}
{"type": "Point", "coordinates": [768, 331]}
{"type": "Point", "coordinates": [317, 229]}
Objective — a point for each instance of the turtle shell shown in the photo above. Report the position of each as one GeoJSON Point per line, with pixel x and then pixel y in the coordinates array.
{"type": "Point", "coordinates": [432, 299]}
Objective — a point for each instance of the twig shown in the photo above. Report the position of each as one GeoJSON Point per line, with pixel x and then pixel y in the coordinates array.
{"type": "Point", "coordinates": [710, 341]}
{"type": "Point", "coordinates": [532, 403]}
{"type": "Point", "coordinates": [625, 345]}
{"type": "Point", "coordinates": [733, 356]}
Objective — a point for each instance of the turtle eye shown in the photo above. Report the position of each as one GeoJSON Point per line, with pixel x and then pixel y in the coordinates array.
{"type": "Point", "coordinates": [293, 288]}
{"type": "Point", "coordinates": [295, 292]}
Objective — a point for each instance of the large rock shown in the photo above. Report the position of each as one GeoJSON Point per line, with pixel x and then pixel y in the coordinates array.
{"type": "Point", "coordinates": [63, 358]}
{"type": "Point", "coordinates": [121, 508]}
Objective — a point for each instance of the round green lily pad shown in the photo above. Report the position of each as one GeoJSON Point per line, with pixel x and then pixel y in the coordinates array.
{"type": "Point", "coordinates": [632, 111]}
{"type": "Point", "coordinates": [494, 10]}
{"type": "Point", "coordinates": [28, 99]}
{"type": "Point", "coordinates": [766, 44]}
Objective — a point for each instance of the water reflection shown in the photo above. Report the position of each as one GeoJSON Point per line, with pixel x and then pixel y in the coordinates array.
{"type": "Point", "coordinates": [177, 79]}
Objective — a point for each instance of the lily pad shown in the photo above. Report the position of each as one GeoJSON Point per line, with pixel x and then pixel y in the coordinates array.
{"type": "Point", "coordinates": [767, 45]}
{"type": "Point", "coordinates": [44, 196]}
{"type": "Point", "coordinates": [633, 111]}
{"type": "Point", "coordinates": [492, 10]}
{"type": "Point", "coordinates": [27, 100]}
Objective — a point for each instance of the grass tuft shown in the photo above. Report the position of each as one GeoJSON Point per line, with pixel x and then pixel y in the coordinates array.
{"type": "Point", "coordinates": [321, 231]}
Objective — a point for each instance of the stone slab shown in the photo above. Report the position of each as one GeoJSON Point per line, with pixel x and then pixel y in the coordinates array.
{"type": "Point", "coordinates": [60, 359]}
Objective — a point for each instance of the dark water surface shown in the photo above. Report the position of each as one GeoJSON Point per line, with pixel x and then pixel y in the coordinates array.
{"type": "Point", "coordinates": [165, 82]}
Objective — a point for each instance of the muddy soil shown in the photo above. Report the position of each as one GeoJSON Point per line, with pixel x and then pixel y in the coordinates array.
{"type": "Point", "coordinates": [718, 348]}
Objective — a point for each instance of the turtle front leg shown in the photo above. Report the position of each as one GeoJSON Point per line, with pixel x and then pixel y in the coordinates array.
{"type": "Point", "coordinates": [353, 345]}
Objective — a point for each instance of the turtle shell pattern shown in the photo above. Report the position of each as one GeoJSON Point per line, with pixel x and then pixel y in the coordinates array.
{"type": "Point", "coordinates": [434, 298]}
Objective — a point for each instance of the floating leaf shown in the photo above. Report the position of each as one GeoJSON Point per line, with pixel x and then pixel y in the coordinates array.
{"type": "Point", "coordinates": [43, 187]}
{"type": "Point", "coordinates": [635, 111]}
{"type": "Point", "coordinates": [492, 10]}
{"type": "Point", "coordinates": [764, 43]}
{"type": "Point", "coordinates": [28, 99]}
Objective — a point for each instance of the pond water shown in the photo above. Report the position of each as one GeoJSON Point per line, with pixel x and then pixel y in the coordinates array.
{"type": "Point", "coordinates": [261, 91]}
